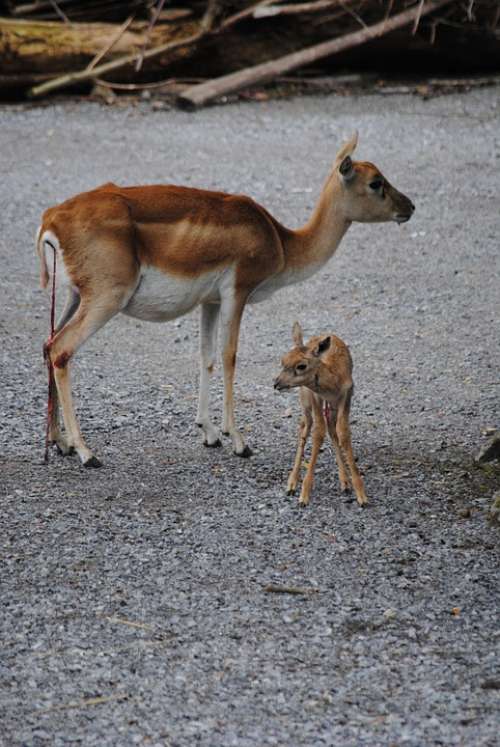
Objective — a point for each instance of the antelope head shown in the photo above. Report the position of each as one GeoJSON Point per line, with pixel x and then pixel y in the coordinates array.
{"type": "Point", "coordinates": [366, 195]}
{"type": "Point", "coordinates": [300, 366]}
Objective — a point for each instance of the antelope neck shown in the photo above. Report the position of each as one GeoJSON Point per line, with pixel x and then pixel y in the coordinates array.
{"type": "Point", "coordinates": [314, 243]}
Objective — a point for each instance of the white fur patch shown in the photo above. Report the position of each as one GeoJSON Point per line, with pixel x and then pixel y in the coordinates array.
{"type": "Point", "coordinates": [160, 297]}
{"type": "Point", "coordinates": [49, 243]}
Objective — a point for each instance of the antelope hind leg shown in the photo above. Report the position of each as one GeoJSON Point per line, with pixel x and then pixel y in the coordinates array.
{"type": "Point", "coordinates": [208, 346]}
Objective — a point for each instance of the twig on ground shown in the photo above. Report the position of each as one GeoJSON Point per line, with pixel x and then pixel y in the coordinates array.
{"type": "Point", "coordinates": [84, 703]}
{"type": "Point", "coordinates": [174, 82]}
{"type": "Point", "coordinates": [130, 623]}
{"type": "Point", "coordinates": [277, 589]}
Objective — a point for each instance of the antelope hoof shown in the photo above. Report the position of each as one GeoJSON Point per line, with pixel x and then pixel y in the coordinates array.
{"type": "Point", "coordinates": [247, 452]}
{"type": "Point", "coordinates": [362, 500]}
{"type": "Point", "coordinates": [290, 491]}
{"type": "Point", "coordinates": [345, 487]}
{"type": "Point", "coordinates": [303, 501]}
{"type": "Point", "coordinates": [93, 462]}
{"type": "Point", "coordinates": [64, 450]}
{"type": "Point", "coordinates": [215, 444]}
{"type": "Point", "coordinates": [62, 446]}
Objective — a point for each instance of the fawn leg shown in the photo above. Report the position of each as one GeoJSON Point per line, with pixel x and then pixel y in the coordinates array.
{"type": "Point", "coordinates": [318, 436]}
{"type": "Point", "coordinates": [345, 484]}
{"type": "Point", "coordinates": [344, 436]}
{"type": "Point", "coordinates": [304, 431]}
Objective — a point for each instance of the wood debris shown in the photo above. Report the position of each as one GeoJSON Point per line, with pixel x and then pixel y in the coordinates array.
{"type": "Point", "coordinates": [232, 45]}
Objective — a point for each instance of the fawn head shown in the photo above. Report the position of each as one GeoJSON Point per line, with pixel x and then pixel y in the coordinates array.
{"type": "Point", "coordinates": [301, 364]}
{"type": "Point", "coordinates": [366, 194]}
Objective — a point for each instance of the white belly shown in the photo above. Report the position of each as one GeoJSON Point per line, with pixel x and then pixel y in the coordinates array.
{"type": "Point", "coordinates": [160, 297]}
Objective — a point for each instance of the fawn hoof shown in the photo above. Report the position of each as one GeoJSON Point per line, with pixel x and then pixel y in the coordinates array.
{"type": "Point", "coordinates": [93, 462]}
{"type": "Point", "coordinates": [247, 452]}
{"type": "Point", "coordinates": [215, 444]}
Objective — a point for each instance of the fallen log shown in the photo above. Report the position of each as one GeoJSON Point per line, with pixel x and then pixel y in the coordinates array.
{"type": "Point", "coordinates": [203, 29]}
{"type": "Point", "coordinates": [203, 93]}
{"type": "Point", "coordinates": [53, 47]}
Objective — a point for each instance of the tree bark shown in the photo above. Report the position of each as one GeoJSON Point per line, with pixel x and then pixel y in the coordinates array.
{"type": "Point", "coordinates": [51, 47]}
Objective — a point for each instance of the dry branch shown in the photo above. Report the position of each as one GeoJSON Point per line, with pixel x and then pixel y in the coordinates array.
{"type": "Point", "coordinates": [71, 78]}
{"type": "Point", "coordinates": [201, 94]}
{"type": "Point", "coordinates": [112, 42]}
{"type": "Point", "coordinates": [267, 11]}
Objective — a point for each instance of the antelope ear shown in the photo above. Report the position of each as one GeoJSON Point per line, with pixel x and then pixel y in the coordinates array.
{"type": "Point", "coordinates": [348, 148]}
{"type": "Point", "coordinates": [346, 169]}
{"type": "Point", "coordinates": [322, 346]}
{"type": "Point", "coordinates": [297, 335]}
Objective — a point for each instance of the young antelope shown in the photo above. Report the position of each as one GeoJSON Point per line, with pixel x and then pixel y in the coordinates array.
{"type": "Point", "coordinates": [323, 370]}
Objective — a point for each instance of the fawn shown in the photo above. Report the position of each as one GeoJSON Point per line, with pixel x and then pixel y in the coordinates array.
{"type": "Point", "coordinates": [322, 369]}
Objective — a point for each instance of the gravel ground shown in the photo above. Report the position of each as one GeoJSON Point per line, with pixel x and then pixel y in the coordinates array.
{"type": "Point", "coordinates": [133, 603]}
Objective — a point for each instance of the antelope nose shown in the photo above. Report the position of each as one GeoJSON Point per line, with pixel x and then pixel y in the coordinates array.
{"type": "Point", "coordinates": [277, 384]}
{"type": "Point", "coordinates": [412, 206]}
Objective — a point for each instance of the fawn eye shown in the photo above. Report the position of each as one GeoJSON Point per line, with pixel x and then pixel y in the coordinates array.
{"type": "Point", "coordinates": [301, 367]}
{"type": "Point", "coordinates": [376, 184]}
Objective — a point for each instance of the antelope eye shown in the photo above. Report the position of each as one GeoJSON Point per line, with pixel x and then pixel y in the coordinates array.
{"type": "Point", "coordinates": [301, 367]}
{"type": "Point", "coordinates": [376, 184]}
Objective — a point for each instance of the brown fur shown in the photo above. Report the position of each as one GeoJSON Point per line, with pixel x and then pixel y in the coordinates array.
{"type": "Point", "coordinates": [322, 369]}
{"type": "Point", "coordinates": [182, 231]}
{"type": "Point", "coordinates": [107, 235]}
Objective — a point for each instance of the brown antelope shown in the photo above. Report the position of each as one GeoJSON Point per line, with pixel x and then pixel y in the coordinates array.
{"type": "Point", "coordinates": [323, 370]}
{"type": "Point", "coordinates": [156, 252]}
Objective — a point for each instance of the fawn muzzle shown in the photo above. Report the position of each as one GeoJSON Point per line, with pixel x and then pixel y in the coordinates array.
{"type": "Point", "coordinates": [280, 385]}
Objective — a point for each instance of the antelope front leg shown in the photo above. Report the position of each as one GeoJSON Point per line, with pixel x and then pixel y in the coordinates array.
{"type": "Point", "coordinates": [318, 436]}
{"type": "Point", "coordinates": [231, 313]}
{"type": "Point", "coordinates": [208, 345]}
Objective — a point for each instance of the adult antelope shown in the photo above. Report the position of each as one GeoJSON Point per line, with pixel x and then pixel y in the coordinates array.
{"type": "Point", "coordinates": [156, 252]}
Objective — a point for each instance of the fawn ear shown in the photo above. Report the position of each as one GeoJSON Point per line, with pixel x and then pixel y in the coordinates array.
{"type": "Point", "coordinates": [297, 335]}
{"type": "Point", "coordinates": [322, 346]}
